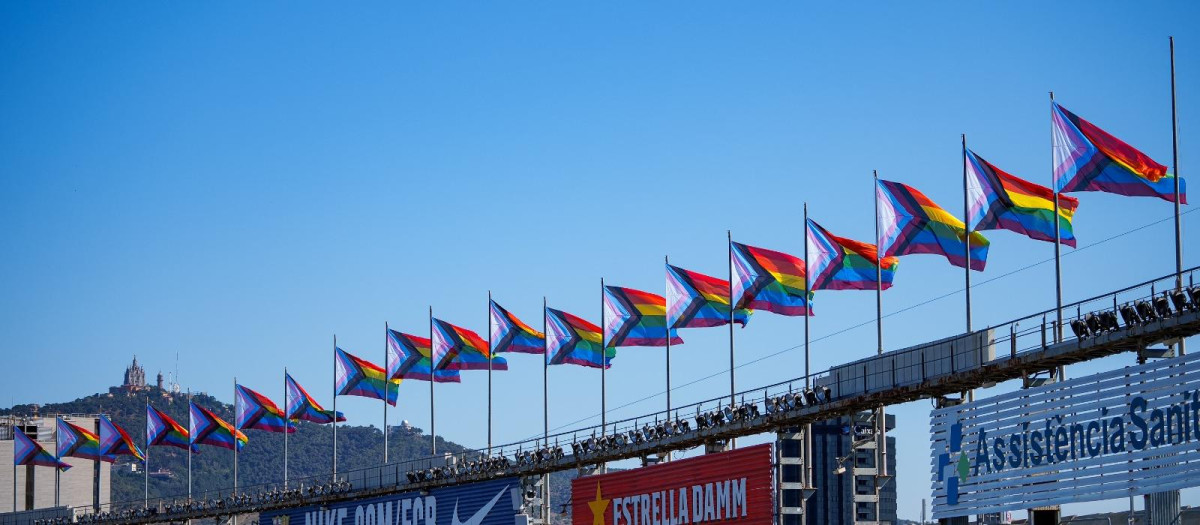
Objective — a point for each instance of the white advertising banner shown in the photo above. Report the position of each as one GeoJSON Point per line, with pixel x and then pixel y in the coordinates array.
{"type": "Point", "coordinates": [1126, 432]}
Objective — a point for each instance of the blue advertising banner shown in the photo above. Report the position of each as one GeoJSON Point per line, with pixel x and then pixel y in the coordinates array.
{"type": "Point", "coordinates": [485, 503]}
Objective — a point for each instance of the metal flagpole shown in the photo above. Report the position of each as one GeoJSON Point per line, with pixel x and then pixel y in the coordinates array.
{"type": "Point", "coordinates": [807, 370]}
{"type": "Point", "coordinates": [729, 247]}
{"type": "Point", "coordinates": [13, 423]}
{"type": "Point", "coordinates": [545, 411]}
{"type": "Point", "coordinates": [233, 517]}
{"type": "Point", "coordinates": [56, 470]}
{"type": "Point", "coordinates": [189, 449]}
{"type": "Point", "coordinates": [335, 393]}
{"type": "Point", "coordinates": [667, 260]}
{"type": "Point", "coordinates": [146, 464]}
{"type": "Point", "coordinates": [490, 350]}
{"type": "Point", "coordinates": [881, 417]}
{"type": "Point", "coordinates": [1175, 168]}
{"type": "Point", "coordinates": [387, 384]}
{"type": "Point", "coordinates": [286, 421]}
{"type": "Point", "coordinates": [967, 244]}
{"type": "Point", "coordinates": [432, 375]}
{"type": "Point", "coordinates": [603, 362]}
{"type": "Point", "coordinates": [1058, 328]}
{"type": "Point", "coordinates": [967, 228]}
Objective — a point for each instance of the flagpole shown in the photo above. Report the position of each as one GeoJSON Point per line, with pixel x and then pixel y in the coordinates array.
{"type": "Point", "coordinates": [432, 375]}
{"type": "Point", "coordinates": [1175, 168]}
{"type": "Point", "coordinates": [489, 332]}
{"type": "Point", "coordinates": [189, 447]}
{"type": "Point", "coordinates": [545, 411]}
{"type": "Point", "coordinates": [146, 464]}
{"type": "Point", "coordinates": [335, 393]}
{"type": "Point", "coordinates": [729, 248]}
{"type": "Point", "coordinates": [1058, 328]}
{"type": "Point", "coordinates": [387, 383]}
{"type": "Point", "coordinates": [881, 417]}
{"type": "Point", "coordinates": [56, 470]}
{"type": "Point", "coordinates": [233, 516]}
{"type": "Point", "coordinates": [667, 260]}
{"type": "Point", "coordinates": [807, 369]}
{"type": "Point", "coordinates": [603, 363]}
{"type": "Point", "coordinates": [967, 228]}
{"type": "Point", "coordinates": [286, 421]}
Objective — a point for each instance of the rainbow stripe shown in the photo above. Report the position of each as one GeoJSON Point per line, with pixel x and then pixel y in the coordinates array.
{"type": "Point", "coordinates": [254, 410]}
{"type": "Point", "coordinates": [509, 334]}
{"type": "Point", "coordinates": [635, 318]}
{"type": "Point", "coordinates": [78, 442]}
{"type": "Point", "coordinates": [206, 428]}
{"type": "Point", "coordinates": [838, 263]}
{"type": "Point", "coordinates": [768, 280]}
{"type": "Point", "coordinates": [28, 452]}
{"type": "Point", "coordinates": [408, 358]}
{"type": "Point", "coordinates": [161, 430]}
{"type": "Point", "coordinates": [300, 405]}
{"type": "Point", "coordinates": [571, 340]}
{"type": "Point", "coordinates": [456, 348]}
{"type": "Point", "coordinates": [910, 223]}
{"type": "Point", "coordinates": [115, 441]}
{"type": "Point", "coordinates": [1087, 158]}
{"type": "Point", "coordinates": [997, 200]}
{"type": "Point", "coordinates": [358, 377]}
{"type": "Point", "coordinates": [695, 300]}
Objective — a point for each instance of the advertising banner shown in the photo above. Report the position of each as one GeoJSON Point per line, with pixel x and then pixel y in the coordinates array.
{"type": "Point", "coordinates": [1121, 433]}
{"type": "Point", "coordinates": [732, 487]}
{"type": "Point", "coordinates": [485, 503]}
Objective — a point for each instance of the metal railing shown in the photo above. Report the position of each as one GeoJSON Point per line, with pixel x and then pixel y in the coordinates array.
{"type": "Point", "coordinates": [777, 405]}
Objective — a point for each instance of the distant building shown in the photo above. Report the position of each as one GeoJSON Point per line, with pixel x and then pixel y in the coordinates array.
{"type": "Point", "coordinates": [134, 380]}
{"type": "Point", "coordinates": [85, 484]}
{"type": "Point", "coordinates": [844, 473]}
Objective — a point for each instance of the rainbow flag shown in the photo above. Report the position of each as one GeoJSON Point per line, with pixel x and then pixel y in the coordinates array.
{"type": "Point", "coordinates": [359, 377]}
{"type": "Point", "coordinates": [78, 442]}
{"type": "Point", "coordinates": [997, 200]}
{"type": "Point", "coordinates": [910, 223]}
{"type": "Point", "coordinates": [509, 334]}
{"type": "Point", "coordinates": [456, 348]}
{"type": "Point", "coordinates": [1087, 158]}
{"type": "Point", "coordinates": [635, 318]}
{"type": "Point", "coordinates": [768, 280]}
{"type": "Point", "coordinates": [571, 340]}
{"type": "Point", "coordinates": [838, 263]}
{"type": "Point", "coordinates": [161, 430]}
{"type": "Point", "coordinates": [205, 428]}
{"type": "Point", "coordinates": [695, 300]}
{"type": "Point", "coordinates": [115, 441]}
{"type": "Point", "coordinates": [300, 405]}
{"type": "Point", "coordinates": [408, 358]}
{"type": "Point", "coordinates": [254, 410]}
{"type": "Point", "coordinates": [27, 452]}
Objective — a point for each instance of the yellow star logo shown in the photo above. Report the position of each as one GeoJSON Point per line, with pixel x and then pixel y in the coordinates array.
{"type": "Point", "coordinates": [598, 505]}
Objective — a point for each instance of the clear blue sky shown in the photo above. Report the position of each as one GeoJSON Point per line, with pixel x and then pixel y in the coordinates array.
{"type": "Point", "coordinates": [237, 182]}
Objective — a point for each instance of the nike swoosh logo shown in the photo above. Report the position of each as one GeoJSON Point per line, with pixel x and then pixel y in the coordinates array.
{"type": "Point", "coordinates": [480, 515]}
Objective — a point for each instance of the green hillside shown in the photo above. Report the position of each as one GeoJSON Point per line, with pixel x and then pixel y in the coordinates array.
{"type": "Point", "coordinates": [261, 461]}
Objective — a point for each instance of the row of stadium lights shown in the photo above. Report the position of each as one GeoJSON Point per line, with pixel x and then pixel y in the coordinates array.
{"type": "Point", "coordinates": [1138, 312]}
{"type": "Point", "coordinates": [242, 503]}
{"type": "Point", "coordinates": [594, 446]}
{"type": "Point", "coordinates": [1093, 324]}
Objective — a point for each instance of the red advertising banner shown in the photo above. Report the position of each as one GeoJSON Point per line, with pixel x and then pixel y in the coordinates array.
{"type": "Point", "coordinates": [732, 488]}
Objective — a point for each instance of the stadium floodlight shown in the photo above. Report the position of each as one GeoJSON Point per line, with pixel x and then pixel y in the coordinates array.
{"type": "Point", "coordinates": [684, 427]}
{"type": "Point", "coordinates": [810, 397]}
{"type": "Point", "coordinates": [1145, 311]}
{"type": "Point", "coordinates": [1195, 293]}
{"type": "Point", "coordinates": [1130, 316]}
{"type": "Point", "coordinates": [1080, 328]}
{"type": "Point", "coordinates": [1162, 307]}
{"type": "Point", "coordinates": [1093, 323]}
{"type": "Point", "coordinates": [1179, 298]}
{"type": "Point", "coordinates": [1108, 321]}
